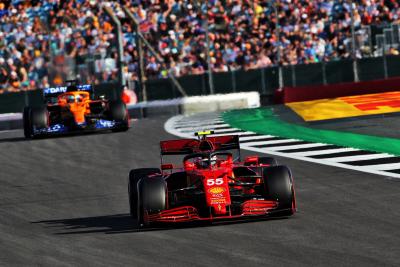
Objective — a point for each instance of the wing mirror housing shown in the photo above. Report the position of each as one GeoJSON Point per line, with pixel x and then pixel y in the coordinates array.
{"type": "Point", "coordinates": [251, 161]}
{"type": "Point", "coordinates": [167, 166]}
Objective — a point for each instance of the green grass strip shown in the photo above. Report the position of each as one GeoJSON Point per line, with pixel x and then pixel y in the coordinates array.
{"type": "Point", "coordinates": [264, 121]}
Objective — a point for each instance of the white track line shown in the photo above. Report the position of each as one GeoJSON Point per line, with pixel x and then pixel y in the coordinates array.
{"type": "Point", "coordinates": [236, 133]}
{"type": "Point", "coordinates": [201, 127]}
{"type": "Point", "coordinates": [272, 142]}
{"type": "Point", "coordinates": [283, 148]}
{"type": "Point", "coordinates": [196, 128]}
{"type": "Point", "coordinates": [359, 157]}
{"type": "Point", "coordinates": [256, 137]}
{"type": "Point", "coordinates": [324, 152]}
{"type": "Point", "coordinates": [384, 167]}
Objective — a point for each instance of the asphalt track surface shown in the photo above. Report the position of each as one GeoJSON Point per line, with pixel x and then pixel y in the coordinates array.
{"type": "Point", "coordinates": [63, 202]}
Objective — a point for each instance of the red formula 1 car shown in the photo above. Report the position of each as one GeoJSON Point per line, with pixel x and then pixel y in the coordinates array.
{"type": "Point", "coordinates": [211, 185]}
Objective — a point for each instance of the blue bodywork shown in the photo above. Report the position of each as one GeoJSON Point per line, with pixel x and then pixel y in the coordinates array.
{"type": "Point", "coordinates": [59, 128]}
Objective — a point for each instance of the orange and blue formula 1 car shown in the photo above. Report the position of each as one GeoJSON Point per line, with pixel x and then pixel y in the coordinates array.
{"type": "Point", "coordinates": [212, 185]}
{"type": "Point", "coordinates": [73, 108]}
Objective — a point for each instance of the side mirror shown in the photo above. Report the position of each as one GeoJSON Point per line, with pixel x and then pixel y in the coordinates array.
{"type": "Point", "coordinates": [167, 166]}
{"type": "Point", "coordinates": [189, 166]}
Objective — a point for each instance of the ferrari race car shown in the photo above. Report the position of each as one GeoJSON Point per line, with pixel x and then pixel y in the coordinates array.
{"type": "Point", "coordinates": [212, 185]}
{"type": "Point", "coordinates": [73, 108]}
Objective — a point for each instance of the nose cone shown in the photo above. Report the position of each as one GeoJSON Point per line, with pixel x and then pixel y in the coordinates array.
{"type": "Point", "coordinates": [79, 118]}
{"type": "Point", "coordinates": [78, 111]}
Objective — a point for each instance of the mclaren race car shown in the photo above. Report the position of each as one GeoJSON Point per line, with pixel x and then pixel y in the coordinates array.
{"type": "Point", "coordinates": [74, 108]}
{"type": "Point", "coordinates": [212, 184]}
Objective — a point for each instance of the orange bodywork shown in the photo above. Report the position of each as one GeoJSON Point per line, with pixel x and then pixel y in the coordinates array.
{"type": "Point", "coordinates": [77, 103]}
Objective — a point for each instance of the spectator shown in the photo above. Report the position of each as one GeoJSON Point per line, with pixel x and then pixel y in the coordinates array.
{"type": "Point", "coordinates": [43, 41]}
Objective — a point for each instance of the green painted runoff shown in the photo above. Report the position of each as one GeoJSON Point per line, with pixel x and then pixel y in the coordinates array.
{"type": "Point", "coordinates": [264, 121]}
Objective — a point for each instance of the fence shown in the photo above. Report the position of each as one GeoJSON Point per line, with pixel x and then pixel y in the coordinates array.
{"type": "Point", "coordinates": [266, 80]}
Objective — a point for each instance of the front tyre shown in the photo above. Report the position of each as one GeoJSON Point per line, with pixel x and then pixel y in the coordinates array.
{"type": "Point", "coordinates": [152, 197]}
{"type": "Point", "coordinates": [278, 185]}
{"type": "Point", "coordinates": [34, 118]}
{"type": "Point", "coordinates": [26, 117]}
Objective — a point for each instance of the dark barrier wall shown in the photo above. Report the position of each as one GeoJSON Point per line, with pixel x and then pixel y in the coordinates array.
{"type": "Point", "coordinates": [291, 94]}
{"type": "Point", "coordinates": [266, 80]}
{"type": "Point", "coordinates": [15, 102]}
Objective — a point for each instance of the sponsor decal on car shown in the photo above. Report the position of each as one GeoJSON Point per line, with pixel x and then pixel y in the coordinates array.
{"type": "Point", "coordinates": [349, 106]}
{"type": "Point", "coordinates": [216, 190]}
{"type": "Point", "coordinates": [101, 124]}
{"type": "Point", "coordinates": [55, 90]}
{"type": "Point", "coordinates": [56, 128]}
{"type": "Point", "coordinates": [220, 200]}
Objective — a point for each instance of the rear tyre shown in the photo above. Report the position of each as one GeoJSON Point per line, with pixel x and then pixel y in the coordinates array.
{"type": "Point", "coordinates": [135, 176]}
{"type": "Point", "coordinates": [278, 184]}
{"type": "Point", "coordinates": [120, 115]}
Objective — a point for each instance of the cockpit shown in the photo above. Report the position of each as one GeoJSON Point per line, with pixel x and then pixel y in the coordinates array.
{"type": "Point", "coordinates": [207, 160]}
{"type": "Point", "coordinates": [70, 98]}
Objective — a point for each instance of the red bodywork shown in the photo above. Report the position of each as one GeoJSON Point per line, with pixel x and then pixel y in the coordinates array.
{"type": "Point", "coordinates": [218, 183]}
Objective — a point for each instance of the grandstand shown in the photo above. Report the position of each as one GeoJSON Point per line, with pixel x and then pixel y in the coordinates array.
{"type": "Point", "coordinates": [45, 42]}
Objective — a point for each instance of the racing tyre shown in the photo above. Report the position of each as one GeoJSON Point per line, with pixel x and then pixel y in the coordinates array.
{"type": "Point", "coordinates": [267, 161]}
{"type": "Point", "coordinates": [27, 122]}
{"type": "Point", "coordinates": [135, 176]}
{"type": "Point", "coordinates": [152, 197]}
{"type": "Point", "coordinates": [34, 118]}
{"type": "Point", "coordinates": [120, 115]}
{"type": "Point", "coordinates": [278, 184]}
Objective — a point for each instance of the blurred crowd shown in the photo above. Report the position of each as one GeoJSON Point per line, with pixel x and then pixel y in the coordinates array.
{"type": "Point", "coordinates": [243, 34]}
{"type": "Point", "coordinates": [44, 42]}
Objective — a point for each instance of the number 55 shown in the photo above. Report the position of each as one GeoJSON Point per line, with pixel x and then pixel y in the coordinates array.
{"type": "Point", "coordinates": [218, 181]}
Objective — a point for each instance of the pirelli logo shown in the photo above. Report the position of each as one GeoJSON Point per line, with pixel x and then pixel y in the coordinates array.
{"type": "Point", "coordinates": [345, 107]}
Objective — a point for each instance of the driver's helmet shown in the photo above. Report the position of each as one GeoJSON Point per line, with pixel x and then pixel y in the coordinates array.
{"type": "Point", "coordinates": [205, 162]}
{"type": "Point", "coordinates": [70, 99]}
{"type": "Point", "coordinates": [79, 98]}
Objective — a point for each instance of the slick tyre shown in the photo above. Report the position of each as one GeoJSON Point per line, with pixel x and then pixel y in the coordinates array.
{"type": "Point", "coordinates": [135, 176]}
{"type": "Point", "coordinates": [278, 184]}
{"type": "Point", "coordinates": [119, 113]}
{"type": "Point", "coordinates": [26, 116]}
{"type": "Point", "coordinates": [152, 197]}
{"type": "Point", "coordinates": [34, 118]}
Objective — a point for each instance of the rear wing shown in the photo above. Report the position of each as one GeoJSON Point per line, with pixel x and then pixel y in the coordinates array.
{"type": "Point", "coordinates": [56, 91]}
{"type": "Point", "coordinates": [188, 146]}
